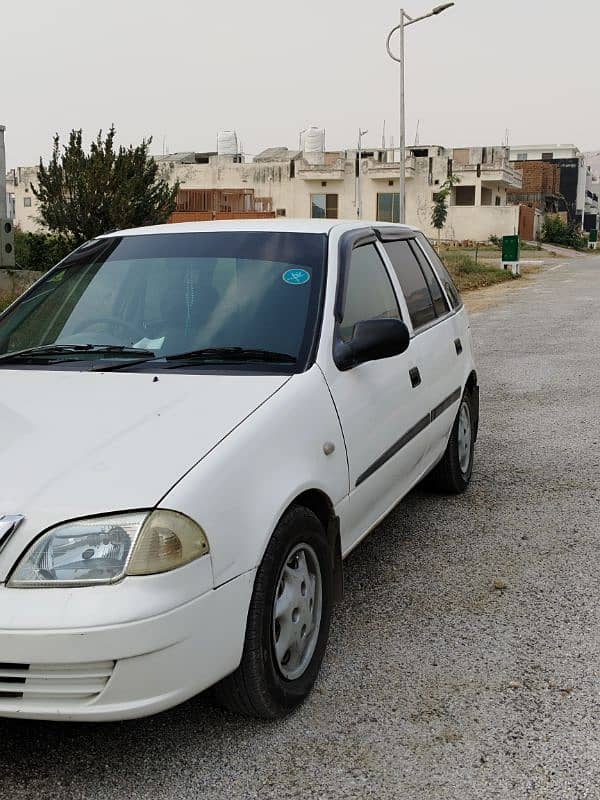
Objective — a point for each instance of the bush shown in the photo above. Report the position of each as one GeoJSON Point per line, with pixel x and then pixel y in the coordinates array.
{"type": "Point", "coordinates": [39, 251]}
{"type": "Point", "coordinates": [555, 231]}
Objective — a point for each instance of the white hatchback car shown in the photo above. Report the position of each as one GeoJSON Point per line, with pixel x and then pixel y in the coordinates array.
{"type": "Point", "coordinates": [198, 423]}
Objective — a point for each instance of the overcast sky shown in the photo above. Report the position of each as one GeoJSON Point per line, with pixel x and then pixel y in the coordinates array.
{"type": "Point", "coordinates": [181, 71]}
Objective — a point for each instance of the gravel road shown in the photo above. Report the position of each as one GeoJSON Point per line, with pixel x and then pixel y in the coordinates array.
{"type": "Point", "coordinates": [464, 661]}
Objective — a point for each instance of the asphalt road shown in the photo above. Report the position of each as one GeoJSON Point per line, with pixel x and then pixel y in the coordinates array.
{"type": "Point", "coordinates": [464, 661]}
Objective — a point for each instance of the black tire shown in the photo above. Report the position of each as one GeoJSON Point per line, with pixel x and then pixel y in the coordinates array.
{"type": "Point", "coordinates": [449, 477]}
{"type": "Point", "coordinates": [258, 688]}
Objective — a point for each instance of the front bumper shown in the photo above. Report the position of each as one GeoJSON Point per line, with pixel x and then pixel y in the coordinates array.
{"type": "Point", "coordinates": [124, 670]}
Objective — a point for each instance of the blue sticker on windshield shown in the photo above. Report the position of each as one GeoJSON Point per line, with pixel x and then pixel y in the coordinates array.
{"type": "Point", "coordinates": [296, 276]}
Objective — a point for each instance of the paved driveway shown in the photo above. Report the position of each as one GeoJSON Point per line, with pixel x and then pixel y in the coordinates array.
{"type": "Point", "coordinates": [464, 661]}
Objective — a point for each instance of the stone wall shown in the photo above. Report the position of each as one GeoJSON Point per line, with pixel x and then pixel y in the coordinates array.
{"type": "Point", "coordinates": [14, 281]}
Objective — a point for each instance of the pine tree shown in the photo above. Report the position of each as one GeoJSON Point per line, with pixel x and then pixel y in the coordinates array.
{"type": "Point", "coordinates": [83, 195]}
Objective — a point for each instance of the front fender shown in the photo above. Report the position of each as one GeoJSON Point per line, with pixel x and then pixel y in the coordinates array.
{"type": "Point", "coordinates": [240, 490]}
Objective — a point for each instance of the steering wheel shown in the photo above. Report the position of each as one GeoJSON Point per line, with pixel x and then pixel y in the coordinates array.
{"type": "Point", "coordinates": [110, 321]}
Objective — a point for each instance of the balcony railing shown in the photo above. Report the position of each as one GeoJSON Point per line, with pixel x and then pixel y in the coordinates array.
{"type": "Point", "coordinates": [332, 171]}
{"type": "Point", "coordinates": [380, 170]}
{"type": "Point", "coordinates": [229, 201]}
{"type": "Point", "coordinates": [496, 172]}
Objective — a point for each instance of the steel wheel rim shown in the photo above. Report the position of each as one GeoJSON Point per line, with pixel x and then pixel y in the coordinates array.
{"type": "Point", "coordinates": [464, 437]}
{"type": "Point", "coordinates": [297, 610]}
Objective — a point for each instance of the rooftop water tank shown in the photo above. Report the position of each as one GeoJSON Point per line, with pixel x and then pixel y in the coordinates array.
{"type": "Point", "coordinates": [313, 140]}
{"type": "Point", "coordinates": [227, 143]}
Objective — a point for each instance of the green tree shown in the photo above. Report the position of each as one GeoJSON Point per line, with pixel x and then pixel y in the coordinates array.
{"type": "Point", "coordinates": [439, 211]}
{"type": "Point", "coordinates": [83, 195]}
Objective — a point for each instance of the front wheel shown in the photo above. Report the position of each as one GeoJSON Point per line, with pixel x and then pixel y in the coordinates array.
{"type": "Point", "coordinates": [453, 473]}
{"type": "Point", "coordinates": [288, 621]}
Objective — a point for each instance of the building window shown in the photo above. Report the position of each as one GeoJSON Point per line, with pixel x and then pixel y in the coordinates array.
{"type": "Point", "coordinates": [547, 156]}
{"type": "Point", "coordinates": [498, 200]}
{"type": "Point", "coordinates": [324, 206]}
{"type": "Point", "coordinates": [27, 202]}
{"type": "Point", "coordinates": [521, 156]}
{"type": "Point", "coordinates": [280, 212]}
{"type": "Point", "coordinates": [388, 207]}
{"type": "Point", "coordinates": [464, 195]}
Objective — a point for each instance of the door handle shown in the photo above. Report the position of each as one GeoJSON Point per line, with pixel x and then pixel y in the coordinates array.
{"type": "Point", "coordinates": [415, 377]}
{"type": "Point", "coordinates": [458, 346]}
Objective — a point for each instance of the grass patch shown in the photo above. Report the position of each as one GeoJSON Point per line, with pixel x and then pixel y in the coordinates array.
{"type": "Point", "coordinates": [469, 275]}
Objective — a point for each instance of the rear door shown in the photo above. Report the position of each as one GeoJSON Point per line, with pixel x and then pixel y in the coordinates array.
{"type": "Point", "coordinates": [430, 312]}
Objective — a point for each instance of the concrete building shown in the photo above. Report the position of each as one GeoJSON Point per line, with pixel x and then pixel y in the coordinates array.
{"type": "Point", "coordinates": [295, 183]}
{"type": "Point", "coordinates": [540, 188]}
{"type": "Point", "coordinates": [315, 182]}
{"type": "Point", "coordinates": [575, 194]}
{"type": "Point", "coordinates": [22, 201]}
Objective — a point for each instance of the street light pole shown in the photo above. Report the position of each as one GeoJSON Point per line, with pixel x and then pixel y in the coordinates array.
{"type": "Point", "coordinates": [405, 21]}
{"type": "Point", "coordinates": [402, 199]}
{"type": "Point", "coordinates": [361, 133]}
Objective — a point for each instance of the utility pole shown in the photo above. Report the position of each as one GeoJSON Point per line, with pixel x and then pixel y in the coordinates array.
{"type": "Point", "coordinates": [405, 21]}
{"type": "Point", "coordinates": [7, 237]}
{"type": "Point", "coordinates": [361, 133]}
{"type": "Point", "coordinates": [3, 211]}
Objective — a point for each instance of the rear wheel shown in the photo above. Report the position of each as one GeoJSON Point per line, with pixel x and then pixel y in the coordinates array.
{"type": "Point", "coordinates": [453, 473]}
{"type": "Point", "coordinates": [288, 621]}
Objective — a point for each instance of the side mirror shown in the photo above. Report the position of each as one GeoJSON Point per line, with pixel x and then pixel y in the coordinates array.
{"type": "Point", "coordinates": [371, 340]}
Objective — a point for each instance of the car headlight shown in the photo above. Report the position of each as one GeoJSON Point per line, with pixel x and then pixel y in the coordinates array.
{"type": "Point", "coordinates": [106, 549]}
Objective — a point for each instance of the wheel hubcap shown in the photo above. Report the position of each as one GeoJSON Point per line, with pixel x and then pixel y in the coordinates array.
{"type": "Point", "coordinates": [297, 611]}
{"type": "Point", "coordinates": [464, 437]}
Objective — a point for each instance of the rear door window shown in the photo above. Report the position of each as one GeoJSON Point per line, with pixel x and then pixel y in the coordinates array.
{"type": "Point", "coordinates": [439, 301]}
{"type": "Point", "coordinates": [442, 272]}
{"type": "Point", "coordinates": [414, 286]}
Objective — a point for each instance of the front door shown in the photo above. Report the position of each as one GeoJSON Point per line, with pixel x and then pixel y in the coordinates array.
{"type": "Point", "coordinates": [380, 404]}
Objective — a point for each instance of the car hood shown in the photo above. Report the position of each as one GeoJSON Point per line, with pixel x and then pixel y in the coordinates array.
{"type": "Point", "coordinates": [81, 443]}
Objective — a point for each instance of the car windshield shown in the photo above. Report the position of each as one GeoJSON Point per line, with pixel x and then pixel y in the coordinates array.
{"type": "Point", "coordinates": [175, 293]}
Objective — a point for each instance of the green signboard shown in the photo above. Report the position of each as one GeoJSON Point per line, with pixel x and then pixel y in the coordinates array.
{"type": "Point", "coordinates": [510, 248]}
{"type": "Point", "coordinates": [593, 235]}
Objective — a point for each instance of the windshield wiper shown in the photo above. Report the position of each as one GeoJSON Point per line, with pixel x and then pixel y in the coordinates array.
{"type": "Point", "coordinates": [230, 354]}
{"type": "Point", "coordinates": [75, 350]}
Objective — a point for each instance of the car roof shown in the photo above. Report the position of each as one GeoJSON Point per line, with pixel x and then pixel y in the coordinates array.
{"type": "Point", "coordinates": [281, 225]}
